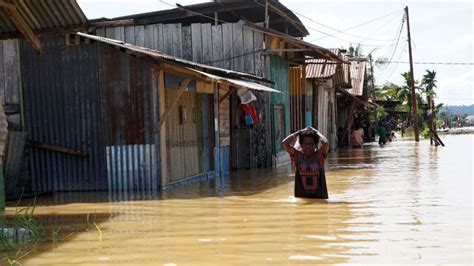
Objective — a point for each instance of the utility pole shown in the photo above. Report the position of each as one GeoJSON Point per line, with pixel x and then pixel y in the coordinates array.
{"type": "Point", "coordinates": [373, 78]}
{"type": "Point", "coordinates": [412, 81]}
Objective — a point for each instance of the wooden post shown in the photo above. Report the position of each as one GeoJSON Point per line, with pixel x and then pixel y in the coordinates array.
{"type": "Point", "coordinates": [412, 81]}
{"type": "Point", "coordinates": [217, 159]}
{"type": "Point", "coordinates": [160, 95]}
{"type": "Point", "coordinates": [12, 13]}
{"type": "Point", "coordinates": [373, 78]}
{"type": "Point", "coordinates": [348, 125]}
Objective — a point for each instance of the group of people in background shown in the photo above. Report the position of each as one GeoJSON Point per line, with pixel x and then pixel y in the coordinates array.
{"type": "Point", "coordinates": [366, 131]}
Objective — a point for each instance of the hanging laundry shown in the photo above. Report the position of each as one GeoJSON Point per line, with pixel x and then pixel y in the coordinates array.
{"type": "Point", "coordinates": [250, 112]}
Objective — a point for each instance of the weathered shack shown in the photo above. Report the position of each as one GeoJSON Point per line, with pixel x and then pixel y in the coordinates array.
{"type": "Point", "coordinates": [90, 105]}
{"type": "Point", "coordinates": [353, 105]}
{"type": "Point", "coordinates": [323, 79]}
{"type": "Point", "coordinates": [139, 118]}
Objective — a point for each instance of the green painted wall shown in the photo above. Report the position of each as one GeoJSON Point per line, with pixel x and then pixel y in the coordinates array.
{"type": "Point", "coordinates": [280, 74]}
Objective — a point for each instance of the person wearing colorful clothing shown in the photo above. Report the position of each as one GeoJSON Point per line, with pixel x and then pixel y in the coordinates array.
{"type": "Point", "coordinates": [310, 179]}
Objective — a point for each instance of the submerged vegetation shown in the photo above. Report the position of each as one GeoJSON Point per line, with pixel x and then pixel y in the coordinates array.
{"type": "Point", "coordinates": [22, 231]}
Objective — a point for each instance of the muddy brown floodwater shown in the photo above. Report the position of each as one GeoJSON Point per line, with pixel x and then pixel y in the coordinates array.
{"type": "Point", "coordinates": [401, 203]}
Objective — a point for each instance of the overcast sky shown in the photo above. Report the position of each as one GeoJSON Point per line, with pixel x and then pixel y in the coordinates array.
{"type": "Point", "coordinates": [442, 31]}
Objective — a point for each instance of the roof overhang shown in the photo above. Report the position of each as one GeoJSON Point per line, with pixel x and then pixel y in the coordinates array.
{"type": "Point", "coordinates": [355, 98]}
{"type": "Point", "coordinates": [27, 18]}
{"type": "Point", "coordinates": [308, 50]}
{"type": "Point", "coordinates": [187, 68]}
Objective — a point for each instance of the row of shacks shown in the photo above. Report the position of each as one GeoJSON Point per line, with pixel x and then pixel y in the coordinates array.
{"type": "Point", "coordinates": [148, 101]}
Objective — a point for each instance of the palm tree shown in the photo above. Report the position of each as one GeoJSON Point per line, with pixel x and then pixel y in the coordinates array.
{"type": "Point", "coordinates": [429, 83]}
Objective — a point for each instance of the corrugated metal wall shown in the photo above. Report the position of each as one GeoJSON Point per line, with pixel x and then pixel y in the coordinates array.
{"type": "Point", "coordinates": [229, 46]}
{"type": "Point", "coordinates": [133, 167]}
{"type": "Point", "coordinates": [62, 107]}
{"type": "Point", "coordinates": [95, 99]}
{"type": "Point", "coordinates": [129, 113]}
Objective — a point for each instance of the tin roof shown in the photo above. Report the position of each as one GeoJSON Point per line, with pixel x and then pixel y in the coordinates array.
{"type": "Point", "coordinates": [315, 51]}
{"type": "Point", "coordinates": [42, 15]}
{"type": "Point", "coordinates": [217, 74]}
{"type": "Point", "coordinates": [322, 69]}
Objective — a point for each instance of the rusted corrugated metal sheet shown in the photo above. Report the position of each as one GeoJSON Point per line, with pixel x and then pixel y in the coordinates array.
{"type": "Point", "coordinates": [41, 15]}
{"type": "Point", "coordinates": [133, 167]}
{"type": "Point", "coordinates": [323, 69]}
{"type": "Point", "coordinates": [154, 54]}
{"type": "Point", "coordinates": [126, 93]}
{"type": "Point", "coordinates": [129, 112]}
{"type": "Point", "coordinates": [62, 107]}
{"type": "Point", "coordinates": [91, 98]}
{"type": "Point", "coordinates": [357, 78]}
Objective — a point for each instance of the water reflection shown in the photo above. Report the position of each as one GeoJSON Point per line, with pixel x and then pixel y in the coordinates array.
{"type": "Point", "coordinates": [398, 203]}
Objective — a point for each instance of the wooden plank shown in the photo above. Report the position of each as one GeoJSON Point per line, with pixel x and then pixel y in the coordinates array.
{"type": "Point", "coordinates": [238, 49]}
{"type": "Point", "coordinates": [177, 40]}
{"type": "Point", "coordinates": [168, 39]}
{"type": "Point", "coordinates": [110, 33]}
{"type": "Point", "coordinates": [207, 54]}
{"type": "Point", "coordinates": [162, 108]}
{"type": "Point", "coordinates": [187, 43]}
{"type": "Point", "coordinates": [217, 159]}
{"type": "Point", "coordinates": [140, 36]}
{"type": "Point", "coordinates": [158, 41]}
{"type": "Point", "coordinates": [130, 35]}
{"type": "Point", "coordinates": [23, 27]}
{"type": "Point", "coordinates": [182, 88]}
{"type": "Point", "coordinates": [248, 42]}
{"type": "Point", "coordinates": [149, 36]}
{"type": "Point", "coordinates": [56, 148]}
{"type": "Point", "coordinates": [196, 36]}
{"type": "Point", "coordinates": [204, 87]}
{"type": "Point", "coordinates": [12, 72]}
{"type": "Point", "coordinates": [99, 32]}
{"type": "Point", "coordinates": [113, 23]}
{"type": "Point", "coordinates": [217, 46]}
{"type": "Point", "coordinates": [227, 46]}
{"type": "Point", "coordinates": [6, 4]}
{"type": "Point", "coordinates": [227, 94]}
{"type": "Point", "coordinates": [258, 44]}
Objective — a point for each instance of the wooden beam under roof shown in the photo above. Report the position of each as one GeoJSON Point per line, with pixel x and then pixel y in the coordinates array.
{"type": "Point", "coordinates": [12, 12]}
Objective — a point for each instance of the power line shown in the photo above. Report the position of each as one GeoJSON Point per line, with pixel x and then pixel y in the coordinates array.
{"type": "Point", "coordinates": [223, 21]}
{"type": "Point", "coordinates": [398, 39]}
{"type": "Point", "coordinates": [343, 32]}
{"type": "Point", "coordinates": [378, 29]}
{"type": "Point", "coordinates": [333, 35]}
{"type": "Point", "coordinates": [435, 63]}
{"type": "Point", "coordinates": [362, 24]}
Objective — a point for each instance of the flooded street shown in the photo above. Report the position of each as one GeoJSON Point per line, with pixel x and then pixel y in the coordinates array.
{"type": "Point", "coordinates": [402, 203]}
